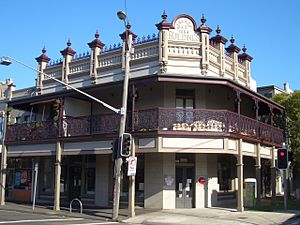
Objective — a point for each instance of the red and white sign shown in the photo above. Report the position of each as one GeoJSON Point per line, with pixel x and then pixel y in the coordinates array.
{"type": "Point", "coordinates": [132, 161]}
{"type": "Point", "coordinates": [201, 180]}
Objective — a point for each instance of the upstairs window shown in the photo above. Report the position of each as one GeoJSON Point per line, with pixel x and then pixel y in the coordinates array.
{"type": "Point", "coordinates": [185, 102]}
{"type": "Point", "coordinates": [185, 99]}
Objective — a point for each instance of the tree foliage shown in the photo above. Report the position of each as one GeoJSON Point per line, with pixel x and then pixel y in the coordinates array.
{"type": "Point", "coordinates": [291, 102]}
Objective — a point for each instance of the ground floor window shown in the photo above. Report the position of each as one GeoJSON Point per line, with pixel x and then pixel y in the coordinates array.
{"type": "Point", "coordinates": [90, 174]}
{"type": "Point", "coordinates": [19, 179]}
{"type": "Point", "coordinates": [226, 172]}
{"type": "Point", "coordinates": [79, 176]}
{"type": "Point", "coordinates": [47, 175]}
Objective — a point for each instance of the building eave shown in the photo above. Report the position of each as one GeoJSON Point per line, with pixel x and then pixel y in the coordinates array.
{"type": "Point", "coordinates": [220, 81]}
{"type": "Point", "coordinates": [71, 93]}
{"type": "Point", "coordinates": [152, 78]}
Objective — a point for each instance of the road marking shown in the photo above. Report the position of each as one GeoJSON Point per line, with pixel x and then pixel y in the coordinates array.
{"type": "Point", "coordinates": [36, 221]}
{"type": "Point", "coordinates": [92, 223]}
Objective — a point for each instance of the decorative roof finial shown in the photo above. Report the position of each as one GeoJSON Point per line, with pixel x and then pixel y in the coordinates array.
{"type": "Point", "coordinates": [68, 50]}
{"type": "Point", "coordinates": [218, 30]}
{"type": "Point", "coordinates": [232, 48]}
{"type": "Point", "coordinates": [163, 25]}
{"type": "Point", "coordinates": [96, 42]}
{"type": "Point", "coordinates": [125, 34]}
{"type": "Point", "coordinates": [43, 57]}
{"type": "Point", "coordinates": [69, 43]}
{"type": "Point", "coordinates": [244, 56]}
{"type": "Point", "coordinates": [203, 20]}
{"type": "Point", "coordinates": [218, 38]}
{"type": "Point", "coordinates": [232, 40]}
{"type": "Point", "coordinates": [97, 34]}
{"type": "Point", "coordinates": [164, 16]}
{"type": "Point", "coordinates": [128, 25]}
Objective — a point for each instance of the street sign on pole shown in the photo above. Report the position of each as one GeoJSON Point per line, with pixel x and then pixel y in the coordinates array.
{"type": "Point", "coordinates": [132, 162]}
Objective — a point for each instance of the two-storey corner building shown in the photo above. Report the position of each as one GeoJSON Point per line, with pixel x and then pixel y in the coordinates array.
{"type": "Point", "coordinates": [193, 111]}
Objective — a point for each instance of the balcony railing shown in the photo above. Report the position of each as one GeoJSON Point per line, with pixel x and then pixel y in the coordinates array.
{"type": "Point", "coordinates": [39, 130]}
{"type": "Point", "coordinates": [197, 121]}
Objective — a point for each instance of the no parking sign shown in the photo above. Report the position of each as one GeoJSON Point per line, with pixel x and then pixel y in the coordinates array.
{"type": "Point", "coordinates": [201, 180]}
{"type": "Point", "coordinates": [132, 161]}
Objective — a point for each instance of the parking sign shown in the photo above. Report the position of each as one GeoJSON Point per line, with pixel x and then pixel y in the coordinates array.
{"type": "Point", "coordinates": [132, 161]}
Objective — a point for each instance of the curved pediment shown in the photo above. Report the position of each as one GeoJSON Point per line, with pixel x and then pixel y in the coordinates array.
{"type": "Point", "coordinates": [184, 29]}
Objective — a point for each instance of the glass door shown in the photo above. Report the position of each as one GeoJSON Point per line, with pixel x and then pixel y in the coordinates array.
{"type": "Point", "coordinates": [184, 187]}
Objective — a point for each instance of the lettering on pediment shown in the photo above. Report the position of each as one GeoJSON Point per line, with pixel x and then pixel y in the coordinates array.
{"type": "Point", "coordinates": [184, 31]}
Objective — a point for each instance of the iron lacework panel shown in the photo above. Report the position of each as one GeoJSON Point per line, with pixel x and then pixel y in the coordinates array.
{"type": "Point", "coordinates": [171, 119]}
{"type": "Point", "coordinates": [39, 130]}
{"type": "Point", "coordinates": [89, 125]}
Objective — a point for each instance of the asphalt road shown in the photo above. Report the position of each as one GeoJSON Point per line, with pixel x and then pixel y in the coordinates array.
{"type": "Point", "coordinates": [295, 221]}
{"type": "Point", "coordinates": [9, 217]}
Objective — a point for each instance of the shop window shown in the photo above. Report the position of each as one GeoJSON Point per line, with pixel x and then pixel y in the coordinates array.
{"type": "Point", "coordinates": [63, 176]}
{"type": "Point", "coordinates": [90, 174]}
{"type": "Point", "coordinates": [47, 175]}
{"type": "Point", "coordinates": [19, 179]}
{"type": "Point", "coordinates": [23, 179]}
{"type": "Point", "coordinates": [226, 173]}
{"type": "Point", "coordinates": [90, 180]}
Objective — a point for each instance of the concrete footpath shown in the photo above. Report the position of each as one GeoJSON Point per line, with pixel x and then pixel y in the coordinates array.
{"type": "Point", "coordinates": [215, 216]}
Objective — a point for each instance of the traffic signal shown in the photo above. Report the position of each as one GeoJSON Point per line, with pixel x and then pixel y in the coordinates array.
{"type": "Point", "coordinates": [125, 149]}
{"type": "Point", "coordinates": [282, 158]}
{"type": "Point", "coordinates": [291, 156]}
{"type": "Point", "coordinates": [114, 148]}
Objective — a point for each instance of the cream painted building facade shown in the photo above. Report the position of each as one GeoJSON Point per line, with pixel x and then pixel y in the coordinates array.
{"type": "Point", "coordinates": [193, 112]}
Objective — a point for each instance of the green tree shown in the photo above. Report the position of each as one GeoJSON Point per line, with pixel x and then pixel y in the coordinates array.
{"type": "Point", "coordinates": [291, 102]}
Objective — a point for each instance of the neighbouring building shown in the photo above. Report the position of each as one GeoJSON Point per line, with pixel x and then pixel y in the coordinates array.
{"type": "Point", "coordinates": [293, 176]}
{"type": "Point", "coordinates": [193, 111]}
{"type": "Point", "coordinates": [271, 90]}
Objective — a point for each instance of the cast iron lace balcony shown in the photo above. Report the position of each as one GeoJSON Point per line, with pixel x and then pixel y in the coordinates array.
{"type": "Point", "coordinates": [39, 130]}
{"type": "Point", "coordinates": [185, 121]}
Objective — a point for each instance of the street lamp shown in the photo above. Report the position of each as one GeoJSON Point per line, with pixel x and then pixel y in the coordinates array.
{"type": "Point", "coordinates": [118, 160]}
{"type": "Point", "coordinates": [122, 16]}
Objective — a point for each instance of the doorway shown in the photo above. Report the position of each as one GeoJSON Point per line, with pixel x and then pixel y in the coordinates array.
{"type": "Point", "coordinates": [185, 186]}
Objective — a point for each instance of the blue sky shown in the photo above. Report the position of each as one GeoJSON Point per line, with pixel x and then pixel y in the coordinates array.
{"type": "Point", "coordinates": [270, 29]}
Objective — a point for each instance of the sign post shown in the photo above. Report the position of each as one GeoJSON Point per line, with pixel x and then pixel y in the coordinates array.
{"type": "Point", "coordinates": [36, 169]}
